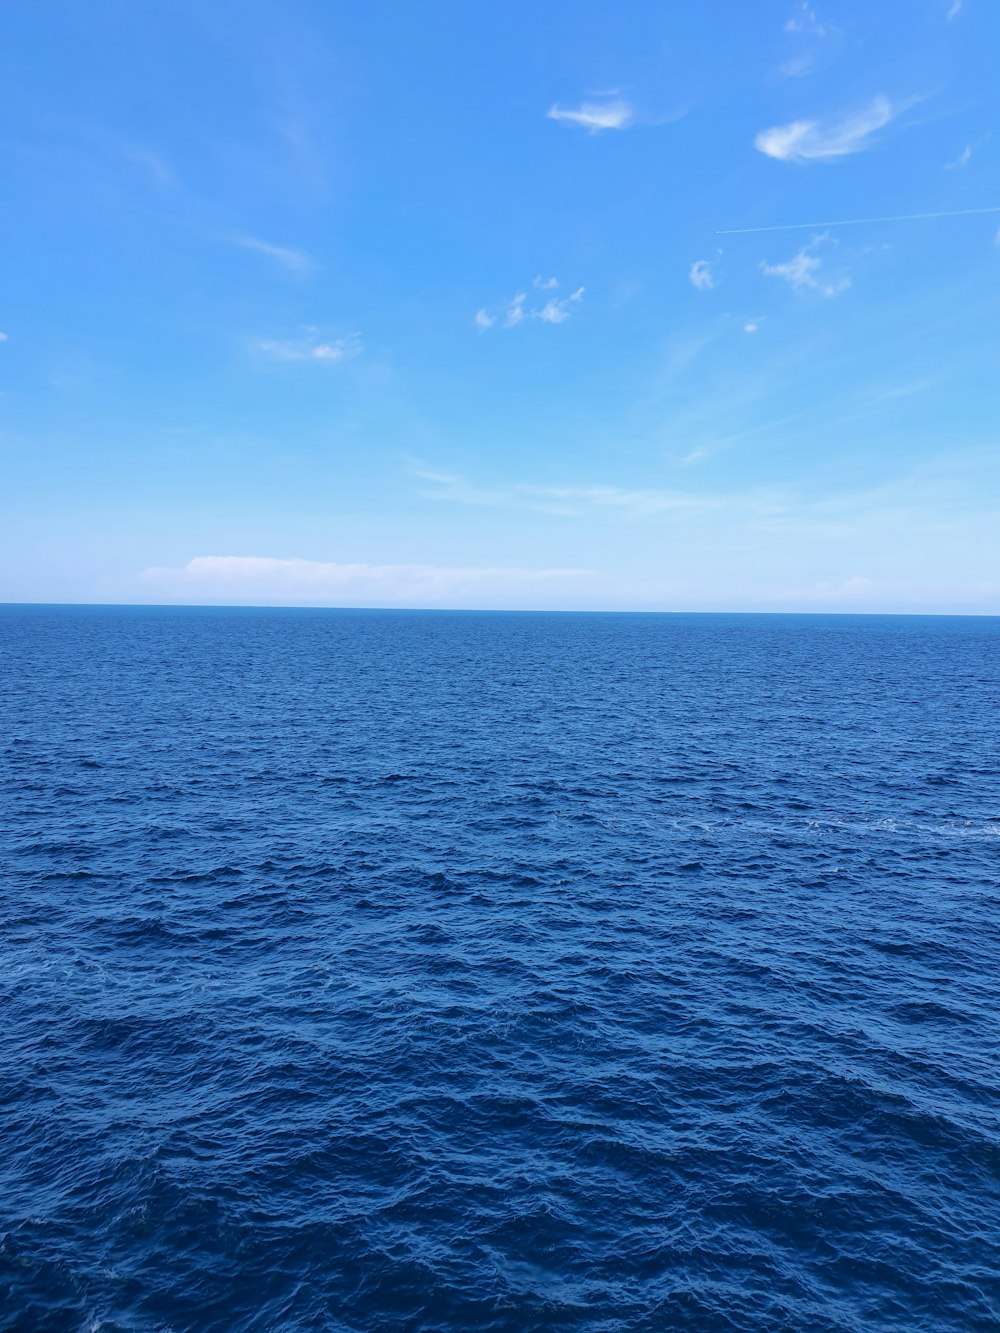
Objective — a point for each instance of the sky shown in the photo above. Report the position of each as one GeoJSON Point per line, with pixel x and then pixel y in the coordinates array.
{"type": "Point", "coordinates": [688, 305]}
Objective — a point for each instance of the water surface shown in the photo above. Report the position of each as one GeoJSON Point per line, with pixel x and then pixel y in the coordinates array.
{"type": "Point", "coordinates": [432, 971]}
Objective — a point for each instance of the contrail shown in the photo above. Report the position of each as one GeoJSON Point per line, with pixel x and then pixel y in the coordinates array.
{"type": "Point", "coordinates": [856, 222]}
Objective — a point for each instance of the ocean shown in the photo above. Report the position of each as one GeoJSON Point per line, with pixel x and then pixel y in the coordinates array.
{"type": "Point", "coordinates": [484, 971]}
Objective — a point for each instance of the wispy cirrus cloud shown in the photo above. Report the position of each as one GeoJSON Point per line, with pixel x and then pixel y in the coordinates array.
{"type": "Point", "coordinates": [577, 500]}
{"type": "Point", "coordinates": [295, 261]}
{"type": "Point", "coordinates": [963, 159]}
{"type": "Point", "coordinates": [645, 502]}
{"type": "Point", "coordinates": [156, 171]}
{"type": "Point", "coordinates": [594, 117]}
{"type": "Point", "coordinates": [825, 140]}
{"type": "Point", "coordinates": [515, 311]}
{"type": "Point", "coordinates": [813, 39]}
{"type": "Point", "coordinates": [801, 272]}
{"type": "Point", "coordinates": [954, 9]}
{"type": "Point", "coordinates": [310, 347]}
{"type": "Point", "coordinates": [797, 66]}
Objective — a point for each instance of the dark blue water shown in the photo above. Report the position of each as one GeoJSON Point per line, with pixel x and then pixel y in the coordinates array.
{"type": "Point", "coordinates": [377, 971]}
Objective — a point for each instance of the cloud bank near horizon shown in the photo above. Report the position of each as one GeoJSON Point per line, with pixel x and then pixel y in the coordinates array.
{"type": "Point", "coordinates": [251, 580]}
{"type": "Point", "coordinates": [264, 581]}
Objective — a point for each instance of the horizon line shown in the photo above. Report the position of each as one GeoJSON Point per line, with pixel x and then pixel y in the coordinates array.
{"type": "Point", "coordinates": [487, 610]}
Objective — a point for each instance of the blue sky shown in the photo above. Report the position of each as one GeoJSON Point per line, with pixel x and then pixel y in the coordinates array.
{"type": "Point", "coordinates": [489, 305]}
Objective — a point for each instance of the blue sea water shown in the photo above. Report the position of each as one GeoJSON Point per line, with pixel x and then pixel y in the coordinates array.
{"type": "Point", "coordinates": [429, 971]}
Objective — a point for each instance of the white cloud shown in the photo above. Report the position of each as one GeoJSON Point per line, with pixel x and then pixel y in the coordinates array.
{"type": "Point", "coordinates": [806, 20]}
{"type": "Point", "coordinates": [823, 140]}
{"type": "Point", "coordinates": [296, 261]}
{"type": "Point", "coordinates": [797, 66]}
{"type": "Point", "coordinates": [310, 348]}
{"type": "Point", "coordinates": [242, 580]}
{"type": "Point", "coordinates": [515, 311]}
{"type": "Point", "coordinates": [809, 34]}
{"type": "Point", "coordinates": [962, 160]}
{"type": "Point", "coordinates": [800, 272]}
{"type": "Point", "coordinates": [3, 337]}
{"type": "Point", "coordinates": [750, 327]}
{"type": "Point", "coordinates": [701, 275]}
{"type": "Point", "coordinates": [335, 351]}
{"type": "Point", "coordinates": [954, 9]}
{"type": "Point", "coordinates": [554, 311]}
{"type": "Point", "coordinates": [594, 116]}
